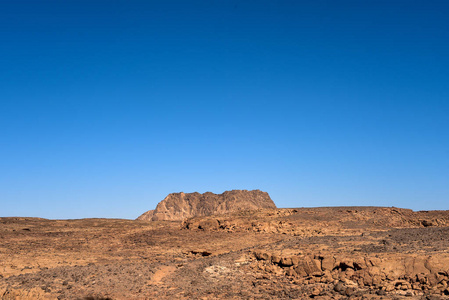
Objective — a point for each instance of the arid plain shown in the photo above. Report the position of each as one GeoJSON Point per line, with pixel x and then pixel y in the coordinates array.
{"type": "Point", "coordinates": [270, 253]}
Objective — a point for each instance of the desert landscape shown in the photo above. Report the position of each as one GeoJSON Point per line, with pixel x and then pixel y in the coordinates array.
{"type": "Point", "coordinates": [224, 150]}
{"type": "Point", "coordinates": [235, 245]}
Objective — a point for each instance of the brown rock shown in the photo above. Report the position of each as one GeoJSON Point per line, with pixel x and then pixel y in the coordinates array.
{"type": "Point", "coordinates": [212, 224]}
{"type": "Point", "coordinates": [327, 276]}
{"type": "Point", "coordinates": [374, 271]}
{"type": "Point", "coordinates": [377, 280]}
{"type": "Point", "coordinates": [327, 263]}
{"type": "Point", "coordinates": [300, 271]}
{"type": "Point", "coordinates": [350, 291]}
{"type": "Point", "coordinates": [359, 263]}
{"type": "Point", "coordinates": [179, 206]}
{"type": "Point", "coordinates": [437, 264]}
{"type": "Point", "coordinates": [308, 267]}
{"type": "Point", "coordinates": [372, 261]}
{"type": "Point", "coordinates": [316, 292]}
{"type": "Point", "coordinates": [349, 272]}
{"type": "Point", "coordinates": [427, 223]}
{"type": "Point", "coordinates": [415, 265]}
{"type": "Point", "coordinates": [275, 259]}
{"type": "Point", "coordinates": [261, 255]}
{"type": "Point", "coordinates": [295, 260]}
{"type": "Point", "coordinates": [432, 279]}
{"type": "Point", "coordinates": [340, 288]}
{"type": "Point", "coordinates": [286, 261]}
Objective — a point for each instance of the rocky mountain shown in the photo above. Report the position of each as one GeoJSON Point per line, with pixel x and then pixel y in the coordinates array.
{"type": "Point", "coordinates": [179, 206]}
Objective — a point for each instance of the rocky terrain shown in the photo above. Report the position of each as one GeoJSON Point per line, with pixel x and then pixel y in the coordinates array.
{"type": "Point", "coordinates": [179, 206]}
{"type": "Point", "coordinates": [301, 253]}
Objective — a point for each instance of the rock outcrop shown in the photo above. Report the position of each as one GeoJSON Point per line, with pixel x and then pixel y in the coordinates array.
{"type": "Point", "coordinates": [179, 206]}
{"type": "Point", "coordinates": [351, 274]}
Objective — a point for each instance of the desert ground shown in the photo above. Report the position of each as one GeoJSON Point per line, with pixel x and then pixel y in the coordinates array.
{"type": "Point", "coordinates": [300, 253]}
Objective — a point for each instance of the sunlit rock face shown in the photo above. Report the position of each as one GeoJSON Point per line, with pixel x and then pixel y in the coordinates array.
{"type": "Point", "coordinates": [179, 206]}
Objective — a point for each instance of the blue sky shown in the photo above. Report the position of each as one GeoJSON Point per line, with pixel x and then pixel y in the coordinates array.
{"type": "Point", "coordinates": [108, 106]}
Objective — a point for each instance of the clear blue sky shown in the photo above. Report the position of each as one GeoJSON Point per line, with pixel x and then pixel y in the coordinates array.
{"type": "Point", "coordinates": [108, 106]}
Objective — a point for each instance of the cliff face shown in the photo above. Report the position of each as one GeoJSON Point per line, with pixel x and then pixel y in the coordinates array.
{"type": "Point", "coordinates": [178, 206]}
